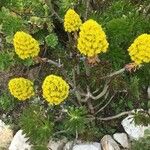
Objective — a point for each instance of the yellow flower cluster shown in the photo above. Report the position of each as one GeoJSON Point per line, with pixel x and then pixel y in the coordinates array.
{"type": "Point", "coordinates": [139, 50]}
{"type": "Point", "coordinates": [55, 89]}
{"type": "Point", "coordinates": [92, 39]}
{"type": "Point", "coordinates": [72, 21]}
{"type": "Point", "coordinates": [25, 45]}
{"type": "Point", "coordinates": [21, 88]}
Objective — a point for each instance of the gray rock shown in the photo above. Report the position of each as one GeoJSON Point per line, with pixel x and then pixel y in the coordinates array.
{"type": "Point", "coordinates": [134, 131]}
{"type": "Point", "coordinates": [20, 142]}
{"type": "Point", "coordinates": [122, 139]}
{"type": "Point", "coordinates": [6, 135]}
{"type": "Point", "coordinates": [88, 146]}
{"type": "Point", "coordinates": [82, 146]}
{"type": "Point", "coordinates": [70, 144]}
{"type": "Point", "coordinates": [57, 145]}
{"type": "Point", "coordinates": [108, 143]}
{"type": "Point", "coordinates": [148, 92]}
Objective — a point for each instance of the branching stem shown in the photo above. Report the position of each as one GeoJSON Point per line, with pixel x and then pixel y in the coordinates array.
{"type": "Point", "coordinates": [87, 9]}
{"type": "Point", "coordinates": [114, 73]}
{"type": "Point", "coordinates": [49, 4]}
{"type": "Point", "coordinates": [116, 116]}
{"type": "Point", "coordinates": [102, 108]}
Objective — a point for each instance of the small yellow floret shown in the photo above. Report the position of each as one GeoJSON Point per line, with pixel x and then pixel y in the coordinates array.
{"type": "Point", "coordinates": [139, 50]}
{"type": "Point", "coordinates": [72, 21]}
{"type": "Point", "coordinates": [92, 39]}
{"type": "Point", "coordinates": [55, 89]}
{"type": "Point", "coordinates": [25, 45]}
{"type": "Point", "coordinates": [21, 88]}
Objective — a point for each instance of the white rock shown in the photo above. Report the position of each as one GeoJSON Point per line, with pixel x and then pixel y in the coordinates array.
{"type": "Point", "coordinates": [2, 125]}
{"type": "Point", "coordinates": [20, 142]}
{"type": "Point", "coordinates": [68, 145]}
{"type": "Point", "coordinates": [6, 135]}
{"type": "Point", "coordinates": [57, 145]}
{"type": "Point", "coordinates": [88, 146]}
{"type": "Point", "coordinates": [148, 92]}
{"type": "Point", "coordinates": [108, 143]}
{"type": "Point", "coordinates": [122, 139]}
{"type": "Point", "coordinates": [134, 131]}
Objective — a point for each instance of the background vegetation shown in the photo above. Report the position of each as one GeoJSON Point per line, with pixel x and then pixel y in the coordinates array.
{"type": "Point", "coordinates": [122, 20]}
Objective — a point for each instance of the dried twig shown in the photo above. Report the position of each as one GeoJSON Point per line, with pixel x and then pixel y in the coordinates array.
{"type": "Point", "coordinates": [90, 106]}
{"type": "Point", "coordinates": [54, 63]}
{"type": "Point", "coordinates": [102, 108]}
{"type": "Point", "coordinates": [116, 116]}
{"type": "Point", "coordinates": [87, 68]}
{"type": "Point", "coordinates": [78, 96]}
{"type": "Point", "coordinates": [114, 73]}
{"type": "Point", "coordinates": [100, 94]}
{"type": "Point", "coordinates": [49, 4]}
{"type": "Point", "coordinates": [74, 141]}
{"type": "Point", "coordinates": [87, 9]}
{"type": "Point", "coordinates": [46, 60]}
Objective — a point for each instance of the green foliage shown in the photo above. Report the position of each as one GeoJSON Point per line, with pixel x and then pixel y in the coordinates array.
{"type": "Point", "coordinates": [10, 22]}
{"type": "Point", "coordinates": [120, 8]}
{"type": "Point", "coordinates": [134, 87]}
{"type": "Point", "coordinates": [121, 32]}
{"type": "Point", "coordinates": [118, 30]}
{"type": "Point", "coordinates": [123, 103]}
{"type": "Point", "coordinates": [64, 5]}
{"type": "Point", "coordinates": [142, 118]}
{"type": "Point", "coordinates": [122, 20]}
{"type": "Point", "coordinates": [26, 6]}
{"type": "Point", "coordinates": [11, 25]}
{"type": "Point", "coordinates": [76, 120]}
{"type": "Point", "coordinates": [115, 9]}
{"type": "Point", "coordinates": [142, 143]}
{"type": "Point", "coordinates": [51, 40]}
{"type": "Point", "coordinates": [6, 60]}
{"type": "Point", "coordinates": [37, 21]}
{"type": "Point", "coordinates": [123, 23]}
{"type": "Point", "coordinates": [37, 125]}
{"type": "Point", "coordinates": [7, 102]}
{"type": "Point", "coordinates": [26, 62]}
{"type": "Point", "coordinates": [144, 75]}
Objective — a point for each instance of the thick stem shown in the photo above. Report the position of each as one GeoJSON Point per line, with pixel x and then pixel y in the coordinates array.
{"type": "Point", "coordinates": [87, 9]}
{"type": "Point", "coordinates": [90, 106]}
{"type": "Point", "coordinates": [114, 73]}
{"type": "Point", "coordinates": [49, 4]}
{"type": "Point", "coordinates": [54, 63]}
{"type": "Point", "coordinates": [102, 108]}
{"type": "Point", "coordinates": [101, 94]}
{"type": "Point", "coordinates": [87, 68]}
{"type": "Point", "coordinates": [116, 116]}
{"type": "Point", "coordinates": [78, 96]}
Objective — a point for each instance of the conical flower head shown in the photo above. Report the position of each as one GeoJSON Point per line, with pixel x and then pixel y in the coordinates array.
{"type": "Point", "coordinates": [72, 21]}
{"type": "Point", "coordinates": [25, 45]}
{"type": "Point", "coordinates": [55, 89]}
{"type": "Point", "coordinates": [139, 50]}
{"type": "Point", "coordinates": [92, 39]}
{"type": "Point", "coordinates": [21, 88]}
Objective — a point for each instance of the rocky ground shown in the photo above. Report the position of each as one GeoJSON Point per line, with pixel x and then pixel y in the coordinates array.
{"type": "Point", "coordinates": [118, 141]}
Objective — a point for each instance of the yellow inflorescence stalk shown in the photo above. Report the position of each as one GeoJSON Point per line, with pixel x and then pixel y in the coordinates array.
{"type": "Point", "coordinates": [139, 50]}
{"type": "Point", "coordinates": [72, 21]}
{"type": "Point", "coordinates": [25, 45]}
{"type": "Point", "coordinates": [55, 89]}
{"type": "Point", "coordinates": [21, 88]}
{"type": "Point", "coordinates": [92, 39]}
